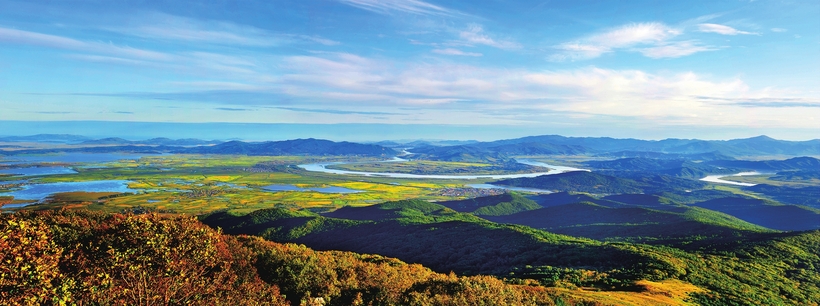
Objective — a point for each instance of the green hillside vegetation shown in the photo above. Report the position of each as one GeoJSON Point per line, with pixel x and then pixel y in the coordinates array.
{"type": "Point", "coordinates": [462, 242]}
{"type": "Point", "coordinates": [579, 181]}
{"type": "Point", "coordinates": [594, 221]}
{"type": "Point", "coordinates": [807, 196]}
{"type": "Point", "coordinates": [797, 163]}
{"type": "Point", "coordinates": [673, 167]}
{"type": "Point", "coordinates": [645, 200]}
{"type": "Point", "coordinates": [752, 268]}
{"type": "Point", "coordinates": [767, 213]}
{"type": "Point", "coordinates": [611, 182]}
{"type": "Point", "coordinates": [503, 204]}
{"type": "Point", "coordinates": [562, 198]}
{"type": "Point", "coordinates": [67, 258]}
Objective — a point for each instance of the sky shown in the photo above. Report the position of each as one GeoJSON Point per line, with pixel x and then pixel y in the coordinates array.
{"type": "Point", "coordinates": [412, 69]}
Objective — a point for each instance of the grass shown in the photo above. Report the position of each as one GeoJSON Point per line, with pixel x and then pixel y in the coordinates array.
{"type": "Point", "coordinates": [667, 292]}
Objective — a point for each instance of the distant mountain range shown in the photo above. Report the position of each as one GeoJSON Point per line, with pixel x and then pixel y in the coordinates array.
{"type": "Point", "coordinates": [690, 149]}
{"type": "Point", "coordinates": [82, 140]}
{"type": "Point", "coordinates": [290, 147]}
{"type": "Point", "coordinates": [717, 152]}
{"type": "Point", "coordinates": [47, 138]}
{"type": "Point", "coordinates": [152, 141]}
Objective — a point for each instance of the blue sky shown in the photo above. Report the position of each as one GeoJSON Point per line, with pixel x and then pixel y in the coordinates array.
{"type": "Point", "coordinates": [644, 69]}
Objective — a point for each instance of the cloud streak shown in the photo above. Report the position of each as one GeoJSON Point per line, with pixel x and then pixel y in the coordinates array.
{"type": "Point", "coordinates": [650, 39]}
{"type": "Point", "coordinates": [334, 111]}
{"type": "Point", "coordinates": [676, 49]}
{"type": "Point", "coordinates": [475, 35]}
{"type": "Point", "coordinates": [159, 26]}
{"type": "Point", "coordinates": [452, 51]}
{"type": "Point", "coordinates": [388, 7]}
{"type": "Point", "coordinates": [15, 36]}
{"type": "Point", "coordinates": [722, 29]}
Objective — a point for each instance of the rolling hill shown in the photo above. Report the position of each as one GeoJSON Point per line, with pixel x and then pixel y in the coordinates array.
{"type": "Point", "coordinates": [751, 269]}
{"type": "Point", "coordinates": [767, 213]}
{"type": "Point", "coordinates": [578, 181]}
{"type": "Point", "coordinates": [797, 163]}
{"type": "Point", "coordinates": [585, 219]}
{"type": "Point", "coordinates": [498, 205]}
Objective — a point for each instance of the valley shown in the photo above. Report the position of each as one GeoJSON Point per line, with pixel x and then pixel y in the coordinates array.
{"type": "Point", "coordinates": [602, 225]}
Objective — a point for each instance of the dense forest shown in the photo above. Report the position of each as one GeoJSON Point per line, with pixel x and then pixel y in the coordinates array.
{"type": "Point", "coordinates": [80, 257]}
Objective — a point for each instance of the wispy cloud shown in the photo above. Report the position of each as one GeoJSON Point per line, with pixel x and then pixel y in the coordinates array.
{"type": "Point", "coordinates": [722, 29]}
{"type": "Point", "coordinates": [779, 30]}
{"type": "Point", "coordinates": [676, 49]}
{"type": "Point", "coordinates": [452, 51]}
{"type": "Point", "coordinates": [768, 102]}
{"type": "Point", "coordinates": [448, 88]}
{"type": "Point", "coordinates": [230, 109]}
{"type": "Point", "coordinates": [401, 6]}
{"type": "Point", "coordinates": [52, 41]}
{"type": "Point", "coordinates": [475, 35]}
{"type": "Point", "coordinates": [334, 111]}
{"type": "Point", "coordinates": [653, 34]}
{"type": "Point", "coordinates": [162, 26]}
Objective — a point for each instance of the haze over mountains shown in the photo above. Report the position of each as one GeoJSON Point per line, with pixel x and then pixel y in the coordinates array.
{"type": "Point", "coordinates": [532, 145]}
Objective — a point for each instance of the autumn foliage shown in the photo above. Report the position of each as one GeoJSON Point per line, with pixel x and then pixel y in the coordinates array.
{"type": "Point", "coordinates": [86, 258]}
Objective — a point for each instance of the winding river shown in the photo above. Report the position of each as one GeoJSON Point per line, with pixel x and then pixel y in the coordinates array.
{"type": "Point", "coordinates": [322, 167]}
{"type": "Point", "coordinates": [719, 178]}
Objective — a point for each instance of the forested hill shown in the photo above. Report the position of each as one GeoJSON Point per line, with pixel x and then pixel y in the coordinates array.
{"type": "Point", "coordinates": [582, 181]}
{"type": "Point", "coordinates": [294, 147]}
{"type": "Point", "coordinates": [757, 267]}
{"type": "Point", "coordinates": [77, 258]}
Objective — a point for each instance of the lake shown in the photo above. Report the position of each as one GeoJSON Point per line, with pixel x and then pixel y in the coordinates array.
{"type": "Point", "coordinates": [39, 192]}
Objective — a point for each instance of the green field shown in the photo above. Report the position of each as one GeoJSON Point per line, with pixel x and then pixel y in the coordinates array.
{"type": "Point", "coordinates": [196, 184]}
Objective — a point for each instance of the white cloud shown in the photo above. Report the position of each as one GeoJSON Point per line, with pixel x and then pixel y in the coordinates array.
{"type": "Point", "coordinates": [779, 30]}
{"type": "Point", "coordinates": [474, 34]}
{"type": "Point", "coordinates": [632, 34]}
{"type": "Point", "coordinates": [175, 28]}
{"type": "Point", "coordinates": [721, 29]}
{"type": "Point", "coordinates": [452, 51]}
{"type": "Point", "coordinates": [333, 78]}
{"type": "Point", "coordinates": [654, 34]}
{"type": "Point", "coordinates": [404, 6]}
{"type": "Point", "coordinates": [578, 51]}
{"type": "Point", "coordinates": [52, 41]}
{"type": "Point", "coordinates": [676, 49]}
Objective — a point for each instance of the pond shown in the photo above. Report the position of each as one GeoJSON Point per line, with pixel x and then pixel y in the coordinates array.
{"type": "Point", "coordinates": [329, 189]}
{"type": "Point", "coordinates": [39, 192]}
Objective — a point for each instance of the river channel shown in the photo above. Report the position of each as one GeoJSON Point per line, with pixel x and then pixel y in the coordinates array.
{"type": "Point", "coordinates": [322, 167]}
